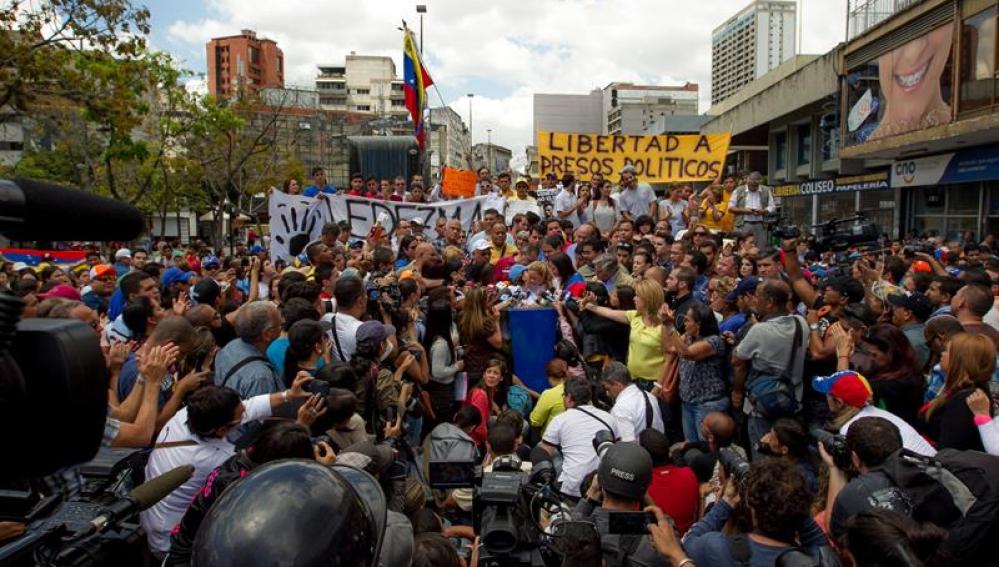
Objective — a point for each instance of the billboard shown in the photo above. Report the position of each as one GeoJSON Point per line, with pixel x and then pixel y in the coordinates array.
{"type": "Point", "coordinates": [868, 182]}
{"type": "Point", "coordinates": [902, 90]}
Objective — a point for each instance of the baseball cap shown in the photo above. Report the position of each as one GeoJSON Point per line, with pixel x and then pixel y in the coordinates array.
{"type": "Point", "coordinates": [63, 291]}
{"type": "Point", "coordinates": [916, 302]}
{"type": "Point", "coordinates": [921, 266]}
{"type": "Point", "coordinates": [101, 270]}
{"type": "Point", "coordinates": [483, 245]}
{"type": "Point", "coordinates": [206, 292]}
{"type": "Point", "coordinates": [376, 458]}
{"type": "Point", "coordinates": [210, 261]}
{"type": "Point", "coordinates": [847, 286]}
{"type": "Point", "coordinates": [417, 221]}
{"type": "Point", "coordinates": [374, 331]}
{"type": "Point", "coordinates": [176, 275]}
{"type": "Point", "coordinates": [846, 385]}
{"type": "Point", "coordinates": [18, 266]}
{"type": "Point", "coordinates": [746, 286]}
{"type": "Point", "coordinates": [628, 169]}
{"type": "Point", "coordinates": [122, 253]}
{"type": "Point", "coordinates": [516, 271]}
{"type": "Point", "coordinates": [626, 470]}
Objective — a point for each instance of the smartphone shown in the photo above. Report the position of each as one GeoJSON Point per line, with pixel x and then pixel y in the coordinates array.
{"type": "Point", "coordinates": [391, 413]}
{"type": "Point", "coordinates": [634, 523]}
{"type": "Point", "coordinates": [320, 387]}
{"type": "Point", "coordinates": [452, 474]}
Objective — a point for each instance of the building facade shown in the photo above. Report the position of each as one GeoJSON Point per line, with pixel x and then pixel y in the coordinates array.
{"type": "Point", "coordinates": [748, 45]}
{"type": "Point", "coordinates": [242, 65]}
{"type": "Point", "coordinates": [572, 113]}
{"type": "Point", "coordinates": [449, 142]}
{"type": "Point", "coordinates": [496, 158]}
{"type": "Point", "coordinates": [645, 109]}
{"type": "Point", "coordinates": [364, 83]}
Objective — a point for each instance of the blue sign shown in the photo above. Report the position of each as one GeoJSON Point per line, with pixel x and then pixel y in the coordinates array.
{"type": "Point", "coordinates": [972, 164]}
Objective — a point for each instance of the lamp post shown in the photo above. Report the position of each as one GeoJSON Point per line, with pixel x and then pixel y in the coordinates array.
{"type": "Point", "coordinates": [471, 139]}
{"type": "Point", "coordinates": [421, 9]}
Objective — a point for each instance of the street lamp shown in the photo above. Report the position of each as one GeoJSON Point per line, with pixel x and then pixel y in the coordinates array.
{"type": "Point", "coordinates": [421, 9]}
{"type": "Point", "coordinates": [489, 136]}
{"type": "Point", "coordinates": [471, 139]}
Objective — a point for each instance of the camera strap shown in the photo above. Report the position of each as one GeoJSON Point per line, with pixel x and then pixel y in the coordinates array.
{"type": "Point", "coordinates": [649, 416]}
{"type": "Point", "coordinates": [336, 339]}
{"type": "Point", "coordinates": [596, 417]}
{"type": "Point", "coordinates": [236, 367]}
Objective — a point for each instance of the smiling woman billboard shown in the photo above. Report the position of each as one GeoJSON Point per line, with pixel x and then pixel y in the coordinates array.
{"type": "Point", "coordinates": [904, 89]}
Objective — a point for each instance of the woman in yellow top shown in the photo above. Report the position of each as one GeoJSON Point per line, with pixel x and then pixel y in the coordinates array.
{"type": "Point", "coordinates": [713, 208]}
{"type": "Point", "coordinates": [646, 360]}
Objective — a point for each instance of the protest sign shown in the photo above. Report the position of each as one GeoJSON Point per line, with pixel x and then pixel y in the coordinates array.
{"type": "Point", "coordinates": [657, 159]}
{"type": "Point", "coordinates": [295, 221]}
{"type": "Point", "coordinates": [459, 182]}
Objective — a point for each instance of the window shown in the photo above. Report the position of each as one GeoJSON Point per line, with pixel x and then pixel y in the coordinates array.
{"type": "Point", "coordinates": [829, 128]}
{"type": "Point", "coordinates": [362, 91]}
{"type": "Point", "coordinates": [364, 108]}
{"type": "Point", "coordinates": [978, 60]}
{"type": "Point", "coordinates": [804, 144]}
{"type": "Point", "coordinates": [780, 150]}
{"type": "Point", "coordinates": [254, 55]}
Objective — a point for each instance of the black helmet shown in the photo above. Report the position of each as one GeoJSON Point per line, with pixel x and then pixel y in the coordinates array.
{"type": "Point", "coordinates": [297, 513]}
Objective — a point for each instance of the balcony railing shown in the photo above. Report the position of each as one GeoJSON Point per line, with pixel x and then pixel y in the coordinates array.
{"type": "Point", "coordinates": [863, 15]}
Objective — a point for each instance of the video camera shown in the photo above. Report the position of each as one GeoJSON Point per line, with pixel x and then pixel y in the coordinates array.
{"type": "Point", "coordinates": [505, 507]}
{"type": "Point", "coordinates": [53, 389]}
{"type": "Point", "coordinates": [841, 233]}
{"type": "Point", "coordinates": [836, 446]}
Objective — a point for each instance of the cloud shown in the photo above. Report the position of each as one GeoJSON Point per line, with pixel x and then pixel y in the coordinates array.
{"type": "Point", "coordinates": [505, 51]}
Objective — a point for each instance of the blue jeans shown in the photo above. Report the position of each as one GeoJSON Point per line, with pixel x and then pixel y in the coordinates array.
{"type": "Point", "coordinates": [414, 428]}
{"type": "Point", "coordinates": [694, 413]}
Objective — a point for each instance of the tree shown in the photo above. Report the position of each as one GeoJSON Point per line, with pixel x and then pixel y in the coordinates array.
{"type": "Point", "coordinates": [39, 38]}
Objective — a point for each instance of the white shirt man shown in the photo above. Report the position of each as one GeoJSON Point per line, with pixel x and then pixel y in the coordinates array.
{"type": "Point", "coordinates": [345, 327]}
{"type": "Point", "coordinates": [188, 448]}
{"type": "Point", "coordinates": [572, 432]}
{"type": "Point", "coordinates": [565, 201]}
{"type": "Point", "coordinates": [911, 439]}
{"type": "Point", "coordinates": [631, 412]}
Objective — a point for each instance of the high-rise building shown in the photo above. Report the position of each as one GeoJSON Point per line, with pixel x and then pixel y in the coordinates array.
{"type": "Point", "coordinates": [364, 83]}
{"type": "Point", "coordinates": [242, 65]}
{"type": "Point", "coordinates": [749, 44]}
{"type": "Point", "coordinates": [496, 158]}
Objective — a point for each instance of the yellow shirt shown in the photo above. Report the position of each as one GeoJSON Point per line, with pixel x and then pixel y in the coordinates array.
{"type": "Point", "coordinates": [549, 404]}
{"type": "Point", "coordinates": [708, 219]}
{"type": "Point", "coordinates": [727, 221]}
{"type": "Point", "coordinates": [645, 349]}
{"type": "Point", "coordinates": [496, 253]}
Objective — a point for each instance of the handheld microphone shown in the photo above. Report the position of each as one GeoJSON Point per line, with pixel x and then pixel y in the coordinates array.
{"type": "Point", "coordinates": [142, 497]}
{"type": "Point", "coordinates": [36, 210]}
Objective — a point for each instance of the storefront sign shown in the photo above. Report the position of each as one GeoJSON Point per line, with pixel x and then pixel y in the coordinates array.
{"type": "Point", "coordinates": [869, 182]}
{"type": "Point", "coordinates": [974, 164]}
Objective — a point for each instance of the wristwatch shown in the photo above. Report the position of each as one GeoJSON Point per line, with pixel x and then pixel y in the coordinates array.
{"type": "Point", "coordinates": [814, 327]}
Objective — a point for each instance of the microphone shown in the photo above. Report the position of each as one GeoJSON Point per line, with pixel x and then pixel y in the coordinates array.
{"type": "Point", "coordinates": [142, 497]}
{"type": "Point", "coordinates": [36, 210]}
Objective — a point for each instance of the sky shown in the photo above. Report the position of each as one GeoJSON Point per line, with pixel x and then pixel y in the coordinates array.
{"type": "Point", "coordinates": [503, 51]}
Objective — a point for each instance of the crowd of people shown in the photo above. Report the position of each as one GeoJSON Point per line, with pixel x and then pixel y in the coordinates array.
{"type": "Point", "coordinates": [769, 400]}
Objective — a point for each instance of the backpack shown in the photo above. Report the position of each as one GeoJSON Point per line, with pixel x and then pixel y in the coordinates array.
{"type": "Point", "coordinates": [957, 490]}
{"type": "Point", "coordinates": [518, 399]}
{"type": "Point", "coordinates": [738, 546]}
{"type": "Point", "coordinates": [772, 395]}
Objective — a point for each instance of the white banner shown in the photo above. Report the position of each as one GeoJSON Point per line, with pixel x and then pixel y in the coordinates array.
{"type": "Point", "coordinates": [296, 221]}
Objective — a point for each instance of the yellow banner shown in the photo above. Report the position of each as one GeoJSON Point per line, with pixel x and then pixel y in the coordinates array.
{"type": "Point", "coordinates": [657, 159]}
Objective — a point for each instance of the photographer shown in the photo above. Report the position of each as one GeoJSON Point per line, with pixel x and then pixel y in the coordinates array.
{"type": "Point", "coordinates": [623, 476]}
{"type": "Point", "coordinates": [774, 492]}
{"type": "Point", "coordinates": [197, 435]}
{"type": "Point", "coordinates": [871, 441]}
{"type": "Point", "coordinates": [572, 432]}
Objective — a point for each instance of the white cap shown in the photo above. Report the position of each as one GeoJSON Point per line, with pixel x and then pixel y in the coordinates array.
{"type": "Point", "coordinates": [18, 266]}
{"type": "Point", "coordinates": [416, 220]}
{"type": "Point", "coordinates": [483, 245]}
{"type": "Point", "coordinates": [122, 253]}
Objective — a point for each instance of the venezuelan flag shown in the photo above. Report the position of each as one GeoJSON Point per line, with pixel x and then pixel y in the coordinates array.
{"type": "Point", "coordinates": [417, 80]}
{"type": "Point", "coordinates": [64, 258]}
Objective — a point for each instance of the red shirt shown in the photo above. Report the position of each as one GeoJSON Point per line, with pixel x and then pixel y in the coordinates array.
{"type": "Point", "coordinates": [676, 491]}
{"type": "Point", "coordinates": [478, 399]}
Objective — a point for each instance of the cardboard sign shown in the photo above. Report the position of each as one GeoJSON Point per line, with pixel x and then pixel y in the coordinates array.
{"type": "Point", "coordinates": [657, 159]}
{"type": "Point", "coordinates": [459, 182]}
